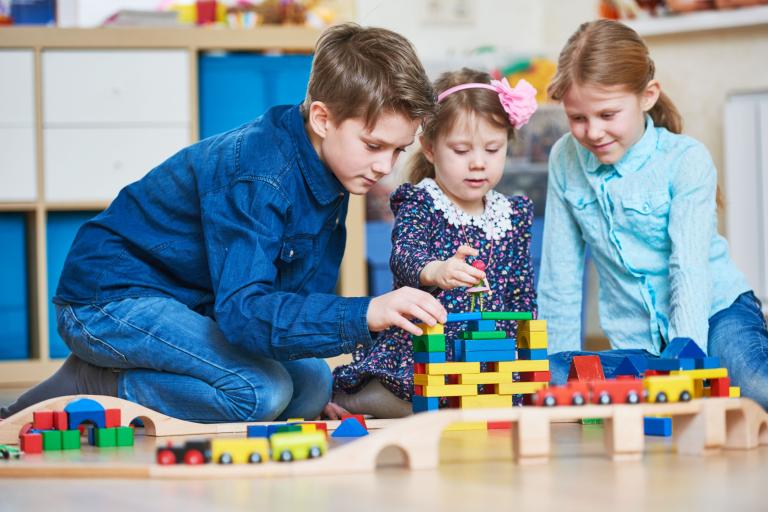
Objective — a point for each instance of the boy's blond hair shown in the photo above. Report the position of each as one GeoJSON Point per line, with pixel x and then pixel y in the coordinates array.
{"type": "Point", "coordinates": [364, 71]}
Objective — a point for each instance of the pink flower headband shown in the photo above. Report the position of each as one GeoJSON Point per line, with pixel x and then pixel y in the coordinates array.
{"type": "Point", "coordinates": [519, 101]}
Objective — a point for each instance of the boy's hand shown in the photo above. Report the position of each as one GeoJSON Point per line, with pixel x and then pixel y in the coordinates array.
{"type": "Point", "coordinates": [404, 304]}
{"type": "Point", "coordinates": [453, 272]}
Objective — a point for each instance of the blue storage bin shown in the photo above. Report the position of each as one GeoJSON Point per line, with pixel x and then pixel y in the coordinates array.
{"type": "Point", "coordinates": [238, 87]}
{"type": "Point", "coordinates": [14, 300]}
{"type": "Point", "coordinates": [61, 230]}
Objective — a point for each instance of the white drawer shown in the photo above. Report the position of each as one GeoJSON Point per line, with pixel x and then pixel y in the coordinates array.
{"type": "Point", "coordinates": [17, 164]}
{"type": "Point", "coordinates": [94, 164]}
{"type": "Point", "coordinates": [115, 86]}
{"type": "Point", "coordinates": [17, 88]}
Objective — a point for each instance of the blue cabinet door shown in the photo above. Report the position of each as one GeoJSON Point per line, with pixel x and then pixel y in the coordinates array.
{"type": "Point", "coordinates": [238, 87]}
{"type": "Point", "coordinates": [14, 301]}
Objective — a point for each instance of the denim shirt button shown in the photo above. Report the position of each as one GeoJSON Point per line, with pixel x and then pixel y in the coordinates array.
{"type": "Point", "coordinates": [290, 254]}
{"type": "Point", "coordinates": [646, 207]}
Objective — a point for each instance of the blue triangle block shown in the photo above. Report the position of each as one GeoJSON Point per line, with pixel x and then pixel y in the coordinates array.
{"type": "Point", "coordinates": [350, 427]}
{"type": "Point", "coordinates": [682, 347]}
{"type": "Point", "coordinates": [631, 365]}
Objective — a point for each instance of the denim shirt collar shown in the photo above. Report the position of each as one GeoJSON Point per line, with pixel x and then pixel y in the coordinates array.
{"type": "Point", "coordinates": [324, 185]}
{"type": "Point", "coordinates": [635, 157]}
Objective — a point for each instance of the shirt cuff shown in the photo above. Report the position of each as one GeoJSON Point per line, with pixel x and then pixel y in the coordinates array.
{"type": "Point", "coordinates": [353, 323]}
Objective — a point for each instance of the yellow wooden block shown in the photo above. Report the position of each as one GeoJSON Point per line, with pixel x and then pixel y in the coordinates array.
{"type": "Point", "coordinates": [532, 340]}
{"type": "Point", "coordinates": [531, 326]}
{"type": "Point", "coordinates": [483, 401]}
{"type": "Point", "coordinates": [707, 392]}
{"type": "Point", "coordinates": [520, 388]}
{"type": "Point", "coordinates": [434, 329]}
{"type": "Point", "coordinates": [421, 379]}
{"type": "Point", "coordinates": [450, 390]}
{"type": "Point", "coordinates": [485, 378]}
{"type": "Point", "coordinates": [538, 365]}
{"type": "Point", "coordinates": [308, 427]}
{"type": "Point", "coordinates": [467, 425]}
{"type": "Point", "coordinates": [711, 373]}
{"type": "Point", "coordinates": [294, 420]}
{"type": "Point", "coordinates": [452, 368]}
{"type": "Point", "coordinates": [734, 391]}
{"type": "Point", "coordinates": [698, 388]}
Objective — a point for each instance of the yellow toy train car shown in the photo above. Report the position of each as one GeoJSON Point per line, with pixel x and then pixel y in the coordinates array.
{"type": "Point", "coordinates": [668, 388]}
{"type": "Point", "coordinates": [251, 450]}
{"type": "Point", "coordinates": [290, 446]}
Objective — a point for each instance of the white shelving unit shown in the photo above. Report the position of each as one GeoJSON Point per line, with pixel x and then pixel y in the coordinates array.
{"type": "Point", "coordinates": [701, 21]}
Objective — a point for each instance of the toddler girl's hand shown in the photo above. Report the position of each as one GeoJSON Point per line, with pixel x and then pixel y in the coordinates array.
{"type": "Point", "coordinates": [453, 272]}
{"type": "Point", "coordinates": [398, 307]}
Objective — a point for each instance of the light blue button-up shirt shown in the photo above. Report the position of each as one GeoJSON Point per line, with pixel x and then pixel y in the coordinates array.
{"type": "Point", "coordinates": [651, 224]}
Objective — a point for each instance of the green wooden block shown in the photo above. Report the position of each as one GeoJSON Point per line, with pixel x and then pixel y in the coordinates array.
{"type": "Point", "coordinates": [483, 335]}
{"type": "Point", "coordinates": [124, 436]}
{"type": "Point", "coordinates": [592, 421]}
{"type": "Point", "coordinates": [51, 440]}
{"type": "Point", "coordinates": [70, 439]}
{"type": "Point", "coordinates": [507, 315]}
{"type": "Point", "coordinates": [106, 437]}
{"type": "Point", "coordinates": [429, 343]}
{"type": "Point", "coordinates": [288, 428]}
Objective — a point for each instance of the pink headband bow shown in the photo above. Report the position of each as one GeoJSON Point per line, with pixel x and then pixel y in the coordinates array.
{"type": "Point", "coordinates": [519, 102]}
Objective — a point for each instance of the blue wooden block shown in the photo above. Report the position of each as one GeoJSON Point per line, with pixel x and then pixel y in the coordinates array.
{"type": "Point", "coordinates": [258, 431]}
{"type": "Point", "coordinates": [661, 427]}
{"type": "Point", "coordinates": [631, 365]}
{"type": "Point", "coordinates": [424, 403]}
{"type": "Point", "coordinates": [707, 363]}
{"type": "Point", "coordinates": [274, 429]}
{"type": "Point", "coordinates": [91, 435]}
{"type": "Point", "coordinates": [489, 356]}
{"type": "Point", "coordinates": [85, 409]}
{"type": "Point", "coordinates": [679, 348]}
{"type": "Point", "coordinates": [532, 353]}
{"type": "Point", "coordinates": [479, 345]}
{"type": "Point", "coordinates": [668, 365]}
{"type": "Point", "coordinates": [350, 427]}
{"type": "Point", "coordinates": [429, 357]}
{"type": "Point", "coordinates": [482, 325]}
{"type": "Point", "coordinates": [458, 350]}
{"type": "Point", "coordinates": [463, 317]}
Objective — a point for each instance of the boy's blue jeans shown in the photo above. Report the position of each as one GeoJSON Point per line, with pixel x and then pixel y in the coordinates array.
{"type": "Point", "coordinates": [178, 362]}
{"type": "Point", "coordinates": [737, 335]}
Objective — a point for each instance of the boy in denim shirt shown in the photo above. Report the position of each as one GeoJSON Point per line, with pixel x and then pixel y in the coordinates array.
{"type": "Point", "coordinates": [205, 290]}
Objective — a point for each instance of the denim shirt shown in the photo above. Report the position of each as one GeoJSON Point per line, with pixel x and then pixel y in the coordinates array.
{"type": "Point", "coordinates": [246, 227]}
{"type": "Point", "coordinates": [650, 221]}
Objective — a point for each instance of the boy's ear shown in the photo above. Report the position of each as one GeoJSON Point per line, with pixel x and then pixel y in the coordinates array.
{"type": "Point", "coordinates": [650, 95]}
{"type": "Point", "coordinates": [319, 117]}
{"type": "Point", "coordinates": [427, 149]}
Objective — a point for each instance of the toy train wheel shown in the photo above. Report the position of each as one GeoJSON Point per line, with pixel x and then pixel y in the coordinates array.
{"type": "Point", "coordinates": [254, 458]}
{"type": "Point", "coordinates": [166, 457]}
{"type": "Point", "coordinates": [193, 458]}
{"type": "Point", "coordinates": [633, 398]}
{"type": "Point", "coordinates": [661, 397]}
{"type": "Point", "coordinates": [315, 452]}
{"type": "Point", "coordinates": [604, 398]}
{"type": "Point", "coordinates": [685, 396]}
{"type": "Point", "coordinates": [225, 458]}
{"type": "Point", "coordinates": [286, 456]}
{"type": "Point", "coordinates": [549, 401]}
{"type": "Point", "coordinates": [578, 399]}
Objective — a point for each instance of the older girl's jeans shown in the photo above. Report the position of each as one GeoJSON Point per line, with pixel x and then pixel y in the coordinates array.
{"type": "Point", "coordinates": [737, 335]}
{"type": "Point", "coordinates": [177, 362]}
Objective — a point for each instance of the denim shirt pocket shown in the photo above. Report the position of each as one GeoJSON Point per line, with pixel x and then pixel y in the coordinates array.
{"type": "Point", "coordinates": [646, 215]}
{"type": "Point", "coordinates": [586, 211]}
{"type": "Point", "coordinates": [297, 262]}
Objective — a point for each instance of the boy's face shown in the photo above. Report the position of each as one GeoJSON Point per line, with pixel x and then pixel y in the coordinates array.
{"type": "Point", "coordinates": [608, 121]}
{"type": "Point", "coordinates": [359, 157]}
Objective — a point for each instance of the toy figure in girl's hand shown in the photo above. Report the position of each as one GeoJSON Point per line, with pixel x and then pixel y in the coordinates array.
{"type": "Point", "coordinates": [480, 289]}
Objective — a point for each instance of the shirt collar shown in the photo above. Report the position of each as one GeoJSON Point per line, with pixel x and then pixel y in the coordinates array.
{"type": "Point", "coordinates": [321, 181]}
{"type": "Point", "coordinates": [632, 160]}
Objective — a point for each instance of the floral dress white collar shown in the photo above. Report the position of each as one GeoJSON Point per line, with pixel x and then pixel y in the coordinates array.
{"type": "Point", "coordinates": [495, 220]}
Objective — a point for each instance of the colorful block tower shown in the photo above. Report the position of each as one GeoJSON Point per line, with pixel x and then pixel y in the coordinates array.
{"type": "Point", "coordinates": [514, 366]}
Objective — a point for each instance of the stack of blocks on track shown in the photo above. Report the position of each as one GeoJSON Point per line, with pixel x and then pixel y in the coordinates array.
{"type": "Point", "coordinates": [513, 366]}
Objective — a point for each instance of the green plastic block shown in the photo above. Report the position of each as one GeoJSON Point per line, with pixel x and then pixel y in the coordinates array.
{"type": "Point", "coordinates": [106, 437]}
{"type": "Point", "coordinates": [124, 436]}
{"type": "Point", "coordinates": [592, 421]}
{"type": "Point", "coordinates": [51, 440]}
{"type": "Point", "coordinates": [429, 343]}
{"type": "Point", "coordinates": [483, 335]}
{"type": "Point", "coordinates": [288, 428]}
{"type": "Point", "coordinates": [70, 439]}
{"type": "Point", "coordinates": [507, 315]}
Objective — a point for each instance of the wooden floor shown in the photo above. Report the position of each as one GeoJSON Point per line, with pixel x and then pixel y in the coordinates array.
{"type": "Point", "coordinates": [476, 473]}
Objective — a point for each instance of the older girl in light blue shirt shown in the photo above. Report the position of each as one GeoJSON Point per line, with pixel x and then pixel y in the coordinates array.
{"type": "Point", "coordinates": [643, 198]}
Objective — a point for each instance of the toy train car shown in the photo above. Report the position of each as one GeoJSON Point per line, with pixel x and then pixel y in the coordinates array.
{"type": "Point", "coordinates": [657, 388]}
{"type": "Point", "coordinates": [668, 388]}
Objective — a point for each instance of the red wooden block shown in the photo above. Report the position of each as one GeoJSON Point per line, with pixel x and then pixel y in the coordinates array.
{"type": "Point", "coordinates": [42, 420]}
{"type": "Point", "coordinates": [319, 425]}
{"type": "Point", "coordinates": [451, 379]}
{"type": "Point", "coordinates": [586, 368]}
{"type": "Point", "coordinates": [535, 377]}
{"type": "Point", "coordinates": [651, 373]}
{"type": "Point", "coordinates": [419, 367]}
{"type": "Point", "coordinates": [112, 418]}
{"type": "Point", "coordinates": [499, 425]}
{"type": "Point", "coordinates": [358, 417]}
{"type": "Point", "coordinates": [720, 386]}
{"type": "Point", "coordinates": [492, 367]}
{"type": "Point", "coordinates": [31, 443]}
{"type": "Point", "coordinates": [418, 390]}
{"type": "Point", "coordinates": [60, 420]}
{"type": "Point", "coordinates": [25, 429]}
{"type": "Point", "coordinates": [454, 402]}
{"type": "Point", "coordinates": [624, 377]}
